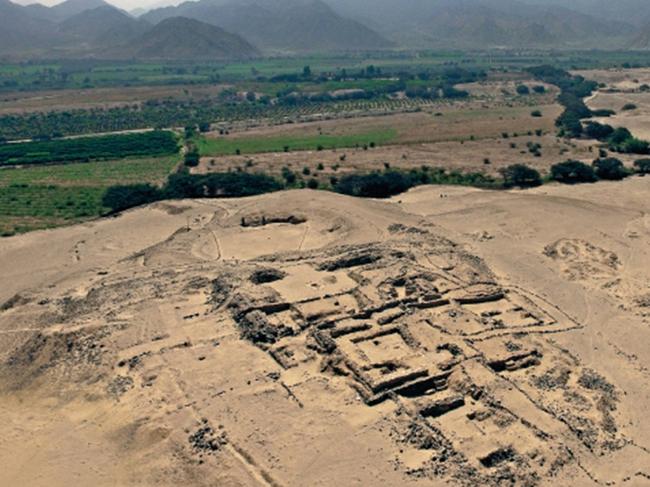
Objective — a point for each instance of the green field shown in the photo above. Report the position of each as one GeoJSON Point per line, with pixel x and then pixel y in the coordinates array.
{"type": "Point", "coordinates": [153, 143]}
{"type": "Point", "coordinates": [47, 196]}
{"type": "Point", "coordinates": [256, 145]}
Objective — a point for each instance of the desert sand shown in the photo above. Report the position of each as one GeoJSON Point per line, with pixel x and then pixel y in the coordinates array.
{"type": "Point", "coordinates": [449, 336]}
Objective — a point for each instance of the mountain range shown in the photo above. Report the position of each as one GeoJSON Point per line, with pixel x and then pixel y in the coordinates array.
{"type": "Point", "coordinates": [280, 25]}
{"type": "Point", "coordinates": [241, 29]}
{"type": "Point", "coordinates": [485, 23]}
{"type": "Point", "coordinates": [103, 31]}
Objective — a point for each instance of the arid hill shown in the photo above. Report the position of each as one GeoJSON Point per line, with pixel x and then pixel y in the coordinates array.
{"type": "Point", "coordinates": [183, 38]}
{"type": "Point", "coordinates": [450, 336]}
{"type": "Point", "coordinates": [294, 25]}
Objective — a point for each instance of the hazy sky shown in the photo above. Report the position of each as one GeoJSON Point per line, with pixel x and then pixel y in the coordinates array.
{"type": "Point", "coordinates": [125, 4]}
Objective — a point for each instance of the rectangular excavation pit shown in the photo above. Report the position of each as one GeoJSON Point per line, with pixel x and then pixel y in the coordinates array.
{"type": "Point", "coordinates": [382, 346]}
{"type": "Point", "coordinates": [516, 362]}
{"type": "Point", "coordinates": [377, 382]}
{"type": "Point", "coordinates": [507, 313]}
{"type": "Point", "coordinates": [304, 283]}
{"type": "Point", "coordinates": [424, 386]}
{"type": "Point", "coordinates": [476, 294]}
{"type": "Point", "coordinates": [497, 457]}
{"type": "Point", "coordinates": [442, 406]}
{"type": "Point", "coordinates": [349, 327]}
{"type": "Point", "coordinates": [328, 308]}
{"type": "Point", "coordinates": [393, 381]}
{"type": "Point", "coordinates": [291, 355]}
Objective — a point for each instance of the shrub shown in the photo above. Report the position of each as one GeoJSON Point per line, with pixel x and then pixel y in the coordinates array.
{"type": "Point", "coordinates": [539, 89]}
{"type": "Point", "coordinates": [536, 114]}
{"type": "Point", "coordinates": [523, 90]}
{"type": "Point", "coordinates": [595, 130]}
{"type": "Point", "coordinates": [610, 168]}
{"type": "Point", "coordinates": [120, 198]}
{"type": "Point", "coordinates": [620, 135]}
{"type": "Point", "coordinates": [312, 183]}
{"type": "Point", "coordinates": [573, 172]}
{"type": "Point", "coordinates": [375, 185]}
{"type": "Point", "coordinates": [192, 158]}
{"type": "Point", "coordinates": [519, 175]}
{"type": "Point", "coordinates": [219, 185]}
{"type": "Point", "coordinates": [634, 146]}
{"type": "Point", "coordinates": [642, 166]}
{"type": "Point", "coordinates": [629, 106]}
{"type": "Point", "coordinates": [603, 112]}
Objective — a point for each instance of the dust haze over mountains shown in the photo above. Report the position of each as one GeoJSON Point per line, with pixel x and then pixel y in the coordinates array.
{"type": "Point", "coordinates": [289, 26]}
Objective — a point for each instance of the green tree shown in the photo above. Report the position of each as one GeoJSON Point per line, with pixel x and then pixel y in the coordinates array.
{"type": "Point", "coordinates": [375, 185]}
{"type": "Point", "coordinates": [642, 166]}
{"type": "Point", "coordinates": [523, 90]}
{"type": "Point", "coordinates": [120, 198]}
{"type": "Point", "coordinates": [192, 158]}
{"type": "Point", "coordinates": [610, 168]}
{"type": "Point", "coordinates": [573, 172]}
{"type": "Point", "coordinates": [521, 176]}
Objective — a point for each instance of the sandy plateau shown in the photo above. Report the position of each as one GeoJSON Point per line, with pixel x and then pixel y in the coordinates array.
{"type": "Point", "coordinates": [450, 336]}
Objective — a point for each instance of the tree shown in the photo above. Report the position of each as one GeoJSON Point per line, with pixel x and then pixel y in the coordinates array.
{"type": "Point", "coordinates": [120, 198]}
{"type": "Point", "coordinates": [192, 158]}
{"type": "Point", "coordinates": [375, 185]}
{"type": "Point", "coordinates": [289, 176]}
{"type": "Point", "coordinates": [204, 127]}
{"type": "Point", "coordinates": [523, 90]}
{"type": "Point", "coordinates": [642, 166]}
{"type": "Point", "coordinates": [520, 175]}
{"type": "Point", "coordinates": [610, 168]}
{"type": "Point", "coordinates": [619, 136]}
{"type": "Point", "coordinates": [573, 172]}
{"type": "Point", "coordinates": [306, 72]}
{"type": "Point", "coordinates": [635, 146]}
{"type": "Point", "coordinates": [595, 130]}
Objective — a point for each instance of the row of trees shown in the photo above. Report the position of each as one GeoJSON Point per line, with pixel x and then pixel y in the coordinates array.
{"type": "Point", "coordinates": [619, 140]}
{"type": "Point", "coordinates": [573, 172]}
{"type": "Point", "coordinates": [373, 185]}
{"type": "Point", "coordinates": [573, 90]}
{"type": "Point", "coordinates": [184, 185]}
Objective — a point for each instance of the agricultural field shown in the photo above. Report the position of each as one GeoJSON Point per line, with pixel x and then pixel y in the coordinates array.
{"type": "Point", "coordinates": [152, 143]}
{"type": "Point", "coordinates": [305, 121]}
{"type": "Point", "coordinates": [463, 137]}
{"type": "Point", "coordinates": [39, 197]}
{"type": "Point", "coordinates": [222, 146]}
{"type": "Point", "coordinates": [22, 102]}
